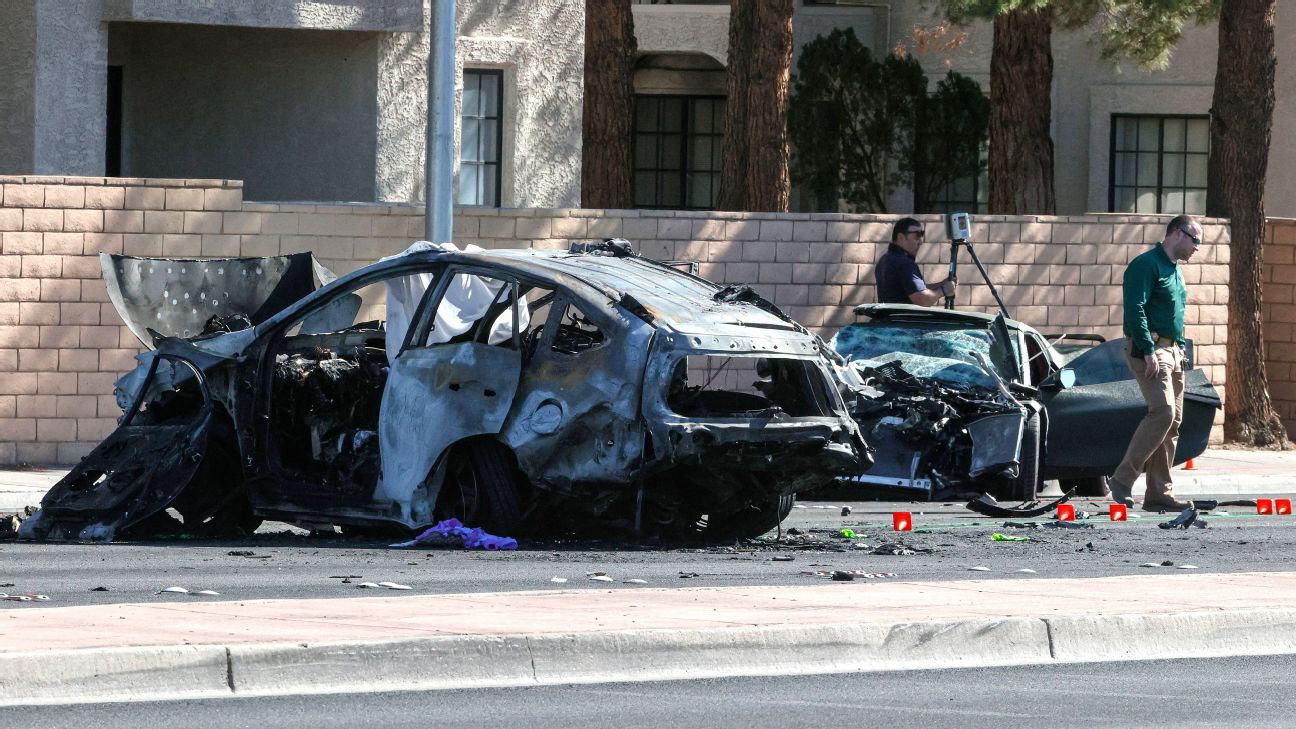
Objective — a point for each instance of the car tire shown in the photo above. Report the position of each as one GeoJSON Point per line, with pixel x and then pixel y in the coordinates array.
{"type": "Point", "coordinates": [1094, 487]}
{"type": "Point", "coordinates": [1026, 488]}
{"type": "Point", "coordinates": [482, 489]}
{"type": "Point", "coordinates": [752, 521]}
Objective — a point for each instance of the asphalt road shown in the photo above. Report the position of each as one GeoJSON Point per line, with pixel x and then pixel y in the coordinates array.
{"type": "Point", "coordinates": [1239, 693]}
{"type": "Point", "coordinates": [281, 562]}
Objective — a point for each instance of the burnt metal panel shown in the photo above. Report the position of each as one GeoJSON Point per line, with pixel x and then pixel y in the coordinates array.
{"type": "Point", "coordinates": [135, 473]}
{"type": "Point", "coordinates": [435, 397]}
{"type": "Point", "coordinates": [177, 297]}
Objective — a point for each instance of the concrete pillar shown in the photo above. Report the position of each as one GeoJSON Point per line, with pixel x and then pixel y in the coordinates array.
{"type": "Point", "coordinates": [17, 86]}
{"type": "Point", "coordinates": [71, 79]}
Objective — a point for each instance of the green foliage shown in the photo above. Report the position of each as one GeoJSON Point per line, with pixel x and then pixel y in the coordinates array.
{"type": "Point", "coordinates": [852, 118]}
{"type": "Point", "coordinates": [1144, 31]}
{"type": "Point", "coordinates": [858, 121]}
{"type": "Point", "coordinates": [952, 124]}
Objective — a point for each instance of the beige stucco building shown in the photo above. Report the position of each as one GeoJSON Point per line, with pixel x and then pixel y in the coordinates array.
{"type": "Point", "coordinates": [1126, 140]}
{"type": "Point", "coordinates": [303, 100]}
{"type": "Point", "coordinates": [309, 100]}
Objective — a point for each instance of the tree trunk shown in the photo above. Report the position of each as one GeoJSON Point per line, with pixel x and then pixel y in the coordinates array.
{"type": "Point", "coordinates": [1021, 147]}
{"type": "Point", "coordinates": [1241, 121]}
{"type": "Point", "coordinates": [609, 104]}
{"type": "Point", "coordinates": [754, 172]}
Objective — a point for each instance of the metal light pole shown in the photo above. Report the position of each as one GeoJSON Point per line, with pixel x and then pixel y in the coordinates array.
{"type": "Point", "coordinates": [439, 174]}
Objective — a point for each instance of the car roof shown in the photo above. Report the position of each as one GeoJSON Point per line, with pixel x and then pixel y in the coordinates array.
{"type": "Point", "coordinates": [675, 298]}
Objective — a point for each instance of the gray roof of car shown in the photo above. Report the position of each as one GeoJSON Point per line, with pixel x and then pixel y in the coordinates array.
{"type": "Point", "coordinates": [674, 297]}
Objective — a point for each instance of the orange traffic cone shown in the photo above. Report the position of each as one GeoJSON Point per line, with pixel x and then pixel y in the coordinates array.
{"type": "Point", "coordinates": [1189, 465]}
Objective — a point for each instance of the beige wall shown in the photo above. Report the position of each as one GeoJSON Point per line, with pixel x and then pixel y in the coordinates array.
{"type": "Point", "coordinates": [62, 344]}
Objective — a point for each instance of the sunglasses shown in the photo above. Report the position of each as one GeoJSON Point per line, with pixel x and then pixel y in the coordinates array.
{"type": "Point", "coordinates": [1197, 241]}
{"type": "Point", "coordinates": [919, 233]}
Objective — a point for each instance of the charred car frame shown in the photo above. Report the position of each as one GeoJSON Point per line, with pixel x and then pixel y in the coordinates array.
{"type": "Point", "coordinates": [523, 387]}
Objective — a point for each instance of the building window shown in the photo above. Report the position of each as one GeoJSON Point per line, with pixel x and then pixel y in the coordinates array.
{"type": "Point", "coordinates": [482, 138]}
{"type": "Point", "coordinates": [677, 151]}
{"type": "Point", "coordinates": [964, 195]}
{"type": "Point", "coordinates": [1158, 164]}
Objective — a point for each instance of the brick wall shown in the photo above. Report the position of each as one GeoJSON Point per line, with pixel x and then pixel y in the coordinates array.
{"type": "Point", "coordinates": [62, 344]}
{"type": "Point", "coordinates": [1278, 292]}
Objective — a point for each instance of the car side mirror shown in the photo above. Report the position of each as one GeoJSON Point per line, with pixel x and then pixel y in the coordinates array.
{"type": "Point", "coordinates": [1063, 379]}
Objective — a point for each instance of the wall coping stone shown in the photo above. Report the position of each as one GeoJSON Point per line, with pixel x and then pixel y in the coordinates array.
{"type": "Point", "coordinates": [117, 181]}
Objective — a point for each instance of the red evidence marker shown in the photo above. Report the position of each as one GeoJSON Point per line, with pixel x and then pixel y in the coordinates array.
{"type": "Point", "coordinates": [1118, 512]}
{"type": "Point", "coordinates": [1264, 506]}
{"type": "Point", "coordinates": [902, 521]}
{"type": "Point", "coordinates": [1066, 512]}
{"type": "Point", "coordinates": [1283, 507]}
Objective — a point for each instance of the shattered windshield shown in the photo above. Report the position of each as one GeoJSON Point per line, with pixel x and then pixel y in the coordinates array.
{"type": "Point", "coordinates": [941, 352]}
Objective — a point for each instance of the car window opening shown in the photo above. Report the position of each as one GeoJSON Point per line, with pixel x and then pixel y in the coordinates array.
{"type": "Point", "coordinates": [576, 333]}
{"type": "Point", "coordinates": [330, 370]}
{"type": "Point", "coordinates": [747, 387]}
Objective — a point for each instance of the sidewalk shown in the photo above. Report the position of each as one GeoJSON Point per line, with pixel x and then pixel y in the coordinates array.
{"type": "Point", "coordinates": [190, 647]}
{"type": "Point", "coordinates": [1218, 472]}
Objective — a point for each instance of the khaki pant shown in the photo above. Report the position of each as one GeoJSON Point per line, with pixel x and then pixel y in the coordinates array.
{"type": "Point", "coordinates": [1151, 450]}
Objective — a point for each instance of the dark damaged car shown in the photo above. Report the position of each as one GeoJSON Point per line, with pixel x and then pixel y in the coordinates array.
{"type": "Point", "coordinates": [956, 402]}
{"type": "Point", "coordinates": [514, 390]}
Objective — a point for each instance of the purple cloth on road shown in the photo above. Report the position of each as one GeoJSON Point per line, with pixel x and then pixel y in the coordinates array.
{"type": "Point", "coordinates": [452, 531]}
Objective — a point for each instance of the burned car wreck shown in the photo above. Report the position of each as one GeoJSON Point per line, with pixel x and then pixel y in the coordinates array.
{"type": "Point", "coordinates": [956, 402]}
{"type": "Point", "coordinates": [510, 389]}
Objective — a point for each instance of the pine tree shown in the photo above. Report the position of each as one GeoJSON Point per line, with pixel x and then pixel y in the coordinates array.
{"type": "Point", "coordinates": [1241, 124]}
{"type": "Point", "coordinates": [608, 105]}
{"type": "Point", "coordinates": [754, 174]}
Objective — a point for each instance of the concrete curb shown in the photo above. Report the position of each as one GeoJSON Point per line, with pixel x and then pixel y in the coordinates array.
{"type": "Point", "coordinates": [268, 669]}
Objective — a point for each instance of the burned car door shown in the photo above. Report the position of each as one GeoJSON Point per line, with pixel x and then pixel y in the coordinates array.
{"type": "Point", "coordinates": [455, 378]}
{"type": "Point", "coordinates": [577, 418]}
{"type": "Point", "coordinates": [1091, 421]}
{"type": "Point", "coordinates": [137, 471]}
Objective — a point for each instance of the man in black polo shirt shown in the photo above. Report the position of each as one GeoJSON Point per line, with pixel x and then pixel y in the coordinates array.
{"type": "Point", "coordinates": [898, 279]}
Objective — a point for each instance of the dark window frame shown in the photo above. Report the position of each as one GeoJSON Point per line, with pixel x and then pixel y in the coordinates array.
{"type": "Point", "coordinates": [113, 130]}
{"type": "Point", "coordinates": [686, 168]}
{"type": "Point", "coordinates": [1160, 188]}
{"type": "Point", "coordinates": [498, 178]}
{"type": "Point", "coordinates": [948, 202]}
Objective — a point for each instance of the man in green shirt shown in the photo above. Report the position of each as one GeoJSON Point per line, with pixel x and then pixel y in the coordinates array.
{"type": "Point", "coordinates": [1154, 335]}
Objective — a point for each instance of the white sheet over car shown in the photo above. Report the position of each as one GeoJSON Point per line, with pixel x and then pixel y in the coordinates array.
{"type": "Point", "coordinates": [465, 302]}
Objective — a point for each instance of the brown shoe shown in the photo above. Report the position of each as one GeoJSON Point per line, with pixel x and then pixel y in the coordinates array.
{"type": "Point", "coordinates": [1165, 503]}
{"type": "Point", "coordinates": [1120, 494]}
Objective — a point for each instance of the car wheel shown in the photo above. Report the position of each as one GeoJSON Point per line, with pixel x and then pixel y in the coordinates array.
{"type": "Point", "coordinates": [481, 489]}
{"type": "Point", "coordinates": [1026, 487]}
{"type": "Point", "coordinates": [1095, 486]}
{"type": "Point", "coordinates": [752, 521]}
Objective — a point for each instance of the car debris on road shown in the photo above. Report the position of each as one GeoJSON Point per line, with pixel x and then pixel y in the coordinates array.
{"type": "Point", "coordinates": [1186, 518]}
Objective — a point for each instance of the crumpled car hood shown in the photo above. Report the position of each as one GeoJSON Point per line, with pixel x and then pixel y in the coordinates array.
{"type": "Point", "coordinates": [177, 297]}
